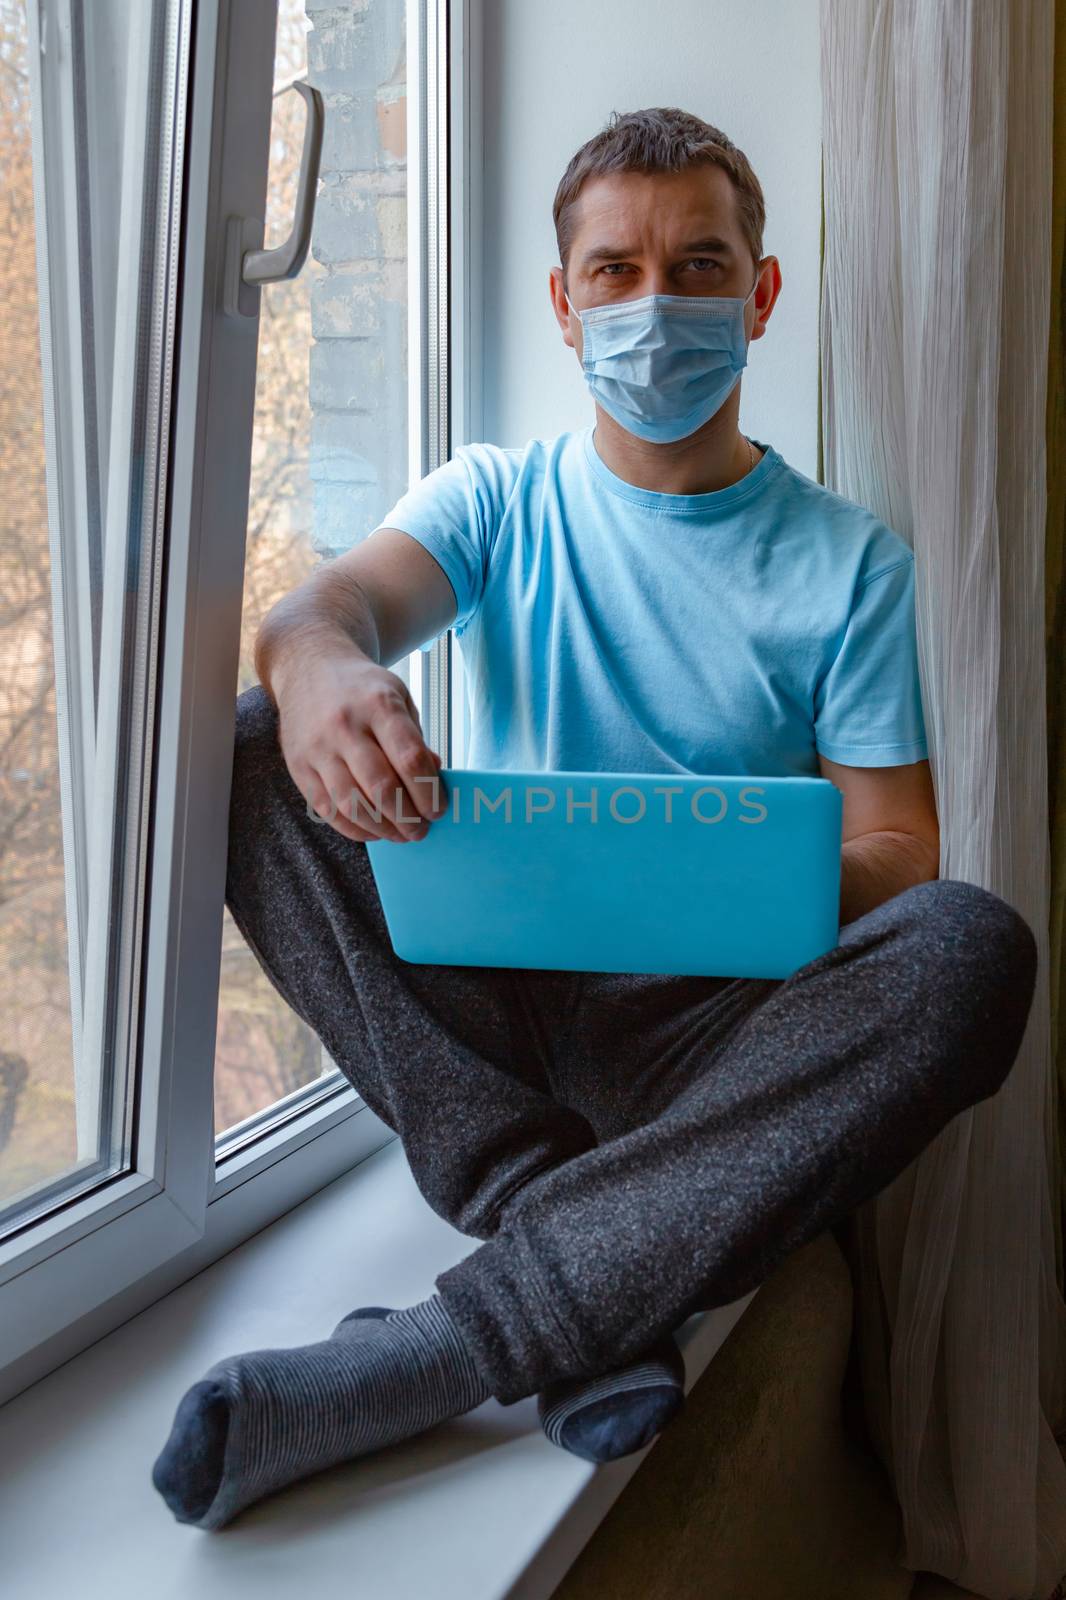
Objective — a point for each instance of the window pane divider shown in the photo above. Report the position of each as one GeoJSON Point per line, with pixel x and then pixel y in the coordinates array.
{"type": "Point", "coordinates": [435, 20]}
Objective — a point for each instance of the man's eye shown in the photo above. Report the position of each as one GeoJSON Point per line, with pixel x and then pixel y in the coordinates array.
{"type": "Point", "coordinates": [703, 262]}
{"type": "Point", "coordinates": [611, 265]}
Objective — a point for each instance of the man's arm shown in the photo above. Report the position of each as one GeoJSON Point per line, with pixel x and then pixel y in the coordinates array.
{"type": "Point", "coordinates": [348, 727]}
{"type": "Point", "coordinates": [891, 832]}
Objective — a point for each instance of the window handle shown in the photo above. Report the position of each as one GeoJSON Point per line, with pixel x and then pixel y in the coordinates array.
{"type": "Point", "coordinates": [248, 269]}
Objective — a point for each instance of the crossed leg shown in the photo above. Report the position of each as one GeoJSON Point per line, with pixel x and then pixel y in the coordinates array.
{"type": "Point", "coordinates": [772, 1112]}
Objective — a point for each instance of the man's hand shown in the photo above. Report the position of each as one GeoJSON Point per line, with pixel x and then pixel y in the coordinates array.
{"type": "Point", "coordinates": [348, 727]}
{"type": "Point", "coordinates": [351, 739]}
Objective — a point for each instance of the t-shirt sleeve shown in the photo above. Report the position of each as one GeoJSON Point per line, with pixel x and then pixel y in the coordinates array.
{"type": "Point", "coordinates": [868, 707]}
{"type": "Point", "coordinates": [454, 513]}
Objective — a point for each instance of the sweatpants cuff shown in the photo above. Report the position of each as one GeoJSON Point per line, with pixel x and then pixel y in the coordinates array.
{"type": "Point", "coordinates": [497, 1300]}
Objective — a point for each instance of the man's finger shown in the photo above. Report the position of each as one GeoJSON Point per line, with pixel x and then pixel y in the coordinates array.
{"type": "Point", "coordinates": [382, 786]}
{"type": "Point", "coordinates": [356, 802]}
{"type": "Point", "coordinates": [412, 760]}
{"type": "Point", "coordinates": [321, 804]}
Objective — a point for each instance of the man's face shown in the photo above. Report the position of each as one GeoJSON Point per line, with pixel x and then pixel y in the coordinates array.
{"type": "Point", "coordinates": [661, 233]}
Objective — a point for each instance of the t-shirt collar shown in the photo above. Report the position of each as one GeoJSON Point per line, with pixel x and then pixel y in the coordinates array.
{"type": "Point", "coordinates": [711, 501]}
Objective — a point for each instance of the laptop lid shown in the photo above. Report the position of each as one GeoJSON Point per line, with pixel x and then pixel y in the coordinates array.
{"type": "Point", "coordinates": [619, 872]}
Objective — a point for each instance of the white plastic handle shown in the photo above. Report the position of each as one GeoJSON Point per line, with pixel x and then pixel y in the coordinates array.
{"type": "Point", "coordinates": [248, 269]}
{"type": "Point", "coordinates": [285, 260]}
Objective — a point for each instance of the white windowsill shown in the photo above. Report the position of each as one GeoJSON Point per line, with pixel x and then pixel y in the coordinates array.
{"type": "Point", "coordinates": [482, 1508]}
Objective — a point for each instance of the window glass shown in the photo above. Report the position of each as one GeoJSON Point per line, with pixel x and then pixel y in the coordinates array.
{"type": "Point", "coordinates": [37, 1132]}
{"type": "Point", "coordinates": [330, 444]}
{"type": "Point", "coordinates": [90, 104]}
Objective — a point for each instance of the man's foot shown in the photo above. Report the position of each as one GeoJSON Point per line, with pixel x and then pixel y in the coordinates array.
{"type": "Point", "coordinates": [259, 1421]}
{"type": "Point", "coordinates": [603, 1418]}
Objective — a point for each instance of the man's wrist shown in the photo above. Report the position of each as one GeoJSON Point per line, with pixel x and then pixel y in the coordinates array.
{"type": "Point", "coordinates": [297, 650]}
{"type": "Point", "coordinates": [304, 627]}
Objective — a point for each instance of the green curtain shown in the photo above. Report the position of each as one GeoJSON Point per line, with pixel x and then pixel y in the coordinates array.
{"type": "Point", "coordinates": [1056, 613]}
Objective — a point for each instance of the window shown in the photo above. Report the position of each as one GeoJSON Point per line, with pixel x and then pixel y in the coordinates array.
{"type": "Point", "coordinates": [91, 120]}
{"type": "Point", "coordinates": [329, 445]}
{"type": "Point", "coordinates": [155, 406]}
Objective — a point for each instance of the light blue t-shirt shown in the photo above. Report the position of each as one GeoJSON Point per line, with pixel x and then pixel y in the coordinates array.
{"type": "Point", "coordinates": [609, 628]}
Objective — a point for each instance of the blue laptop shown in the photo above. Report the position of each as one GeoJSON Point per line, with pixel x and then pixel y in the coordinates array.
{"type": "Point", "coordinates": [619, 872]}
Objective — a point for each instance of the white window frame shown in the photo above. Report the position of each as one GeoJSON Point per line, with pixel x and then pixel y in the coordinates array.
{"type": "Point", "coordinates": [464, 285]}
{"type": "Point", "coordinates": [77, 1272]}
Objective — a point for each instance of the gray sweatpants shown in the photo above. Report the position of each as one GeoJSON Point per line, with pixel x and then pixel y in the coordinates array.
{"type": "Point", "coordinates": [630, 1148]}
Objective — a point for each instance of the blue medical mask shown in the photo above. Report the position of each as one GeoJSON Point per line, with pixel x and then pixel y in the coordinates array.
{"type": "Point", "coordinates": [663, 365]}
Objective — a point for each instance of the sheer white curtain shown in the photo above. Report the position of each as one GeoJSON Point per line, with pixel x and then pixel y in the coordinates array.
{"type": "Point", "coordinates": [937, 140]}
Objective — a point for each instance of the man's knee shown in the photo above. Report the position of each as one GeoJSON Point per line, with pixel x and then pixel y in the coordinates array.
{"type": "Point", "coordinates": [255, 733]}
{"type": "Point", "coordinates": [974, 962]}
{"type": "Point", "coordinates": [264, 805]}
{"type": "Point", "coordinates": [259, 770]}
{"type": "Point", "coordinates": [962, 922]}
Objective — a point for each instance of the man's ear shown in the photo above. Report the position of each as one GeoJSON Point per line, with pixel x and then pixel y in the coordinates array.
{"type": "Point", "coordinates": [766, 294]}
{"type": "Point", "coordinates": [557, 291]}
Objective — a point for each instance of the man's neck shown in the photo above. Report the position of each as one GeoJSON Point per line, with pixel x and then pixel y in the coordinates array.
{"type": "Point", "coordinates": [714, 457]}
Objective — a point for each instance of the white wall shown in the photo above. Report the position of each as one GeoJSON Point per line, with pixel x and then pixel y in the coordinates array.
{"type": "Point", "coordinates": [552, 72]}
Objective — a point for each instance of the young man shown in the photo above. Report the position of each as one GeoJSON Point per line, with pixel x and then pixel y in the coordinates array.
{"type": "Point", "coordinates": [660, 594]}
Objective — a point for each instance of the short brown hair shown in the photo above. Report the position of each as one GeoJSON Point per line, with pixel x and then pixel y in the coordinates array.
{"type": "Point", "coordinates": [661, 139]}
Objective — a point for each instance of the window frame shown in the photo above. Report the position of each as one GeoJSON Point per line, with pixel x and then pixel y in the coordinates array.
{"type": "Point", "coordinates": [95, 1261]}
{"type": "Point", "coordinates": [464, 291]}
{"type": "Point", "coordinates": [51, 1262]}
{"type": "Point", "coordinates": [445, 283]}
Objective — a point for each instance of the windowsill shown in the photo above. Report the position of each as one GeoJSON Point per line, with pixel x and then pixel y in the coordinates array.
{"type": "Point", "coordinates": [482, 1508]}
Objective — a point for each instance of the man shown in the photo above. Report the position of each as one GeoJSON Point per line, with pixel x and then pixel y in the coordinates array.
{"type": "Point", "coordinates": [660, 594]}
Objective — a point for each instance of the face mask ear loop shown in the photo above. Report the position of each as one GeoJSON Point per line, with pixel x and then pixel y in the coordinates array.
{"type": "Point", "coordinates": [755, 285]}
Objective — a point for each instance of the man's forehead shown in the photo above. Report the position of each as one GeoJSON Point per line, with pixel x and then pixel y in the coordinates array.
{"type": "Point", "coordinates": [700, 208]}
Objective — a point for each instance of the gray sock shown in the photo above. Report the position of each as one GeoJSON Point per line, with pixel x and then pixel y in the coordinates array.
{"type": "Point", "coordinates": [603, 1418]}
{"type": "Point", "coordinates": [259, 1421]}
